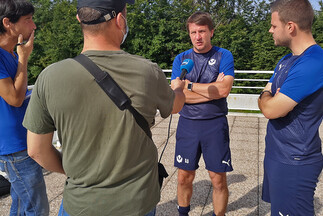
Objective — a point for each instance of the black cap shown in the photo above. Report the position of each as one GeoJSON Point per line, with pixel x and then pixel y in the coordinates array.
{"type": "Point", "coordinates": [108, 8]}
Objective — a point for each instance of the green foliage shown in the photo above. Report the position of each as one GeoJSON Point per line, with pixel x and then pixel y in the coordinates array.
{"type": "Point", "coordinates": [58, 34]}
{"type": "Point", "coordinates": [234, 37]}
{"type": "Point", "coordinates": [158, 32]}
{"type": "Point", "coordinates": [265, 55]}
{"type": "Point", "coordinates": [157, 29]}
{"type": "Point", "coordinates": [318, 26]}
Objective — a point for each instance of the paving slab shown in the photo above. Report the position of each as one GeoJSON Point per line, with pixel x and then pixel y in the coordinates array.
{"type": "Point", "coordinates": [247, 134]}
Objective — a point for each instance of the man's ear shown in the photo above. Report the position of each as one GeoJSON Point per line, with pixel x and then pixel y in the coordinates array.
{"type": "Point", "coordinates": [291, 26]}
{"type": "Point", "coordinates": [120, 22]}
{"type": "Point", "coordinates": [78, 18]}
{"type": "Point", "coordinates": [6, 22]}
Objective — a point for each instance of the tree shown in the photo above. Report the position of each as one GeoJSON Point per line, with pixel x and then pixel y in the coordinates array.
{"type": "Point", "coordinates": [158, 31]}
{"type": "Point", "coordinates": [318, 26]}
{"type": "Point", "coordinates": [234, 37]}
{"type": "Point", "coordinates": [58, 34]}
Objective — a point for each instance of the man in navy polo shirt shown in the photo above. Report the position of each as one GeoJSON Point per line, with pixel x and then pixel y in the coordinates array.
{"type": "Point", "coordinates": [293, 103]}
{"type": "Point", "coordinates": [203, 127]}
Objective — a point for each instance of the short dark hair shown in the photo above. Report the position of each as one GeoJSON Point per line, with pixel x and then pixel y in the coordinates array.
{"type": "Point", "coordinates": [297, 11]}
{"type": "Point", "coordinates": [13, 10]}
{"type": "Point", "coordinates": [88, 14]}
{"type": "Point", "coordinates": [200, 18]}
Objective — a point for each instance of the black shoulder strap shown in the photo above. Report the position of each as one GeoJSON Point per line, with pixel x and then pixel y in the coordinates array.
{"type": "Point", "coordinates": [113, 90]}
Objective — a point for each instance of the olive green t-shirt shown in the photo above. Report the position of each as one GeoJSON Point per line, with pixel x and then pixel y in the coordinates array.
{"type": "Point", "coordinates": [110, 163]}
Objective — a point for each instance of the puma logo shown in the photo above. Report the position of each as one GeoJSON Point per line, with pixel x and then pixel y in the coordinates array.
{"type": "Point", "coordinates": [226, 162]}
{"type": "Point", "coordinates": [281, 214]}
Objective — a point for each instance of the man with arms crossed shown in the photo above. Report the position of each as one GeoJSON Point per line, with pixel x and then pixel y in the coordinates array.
{"type": "Point", "coordinates": [109, 161]}
{"type": "Point", "coordinates": [28, 190]}
{"type": "Point", "coordinates": [203, 127]}
{"type": "Point", "coordinates": [293, 103]}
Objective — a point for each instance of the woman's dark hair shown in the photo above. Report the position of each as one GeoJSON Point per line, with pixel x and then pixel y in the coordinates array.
{"type": "Point", "coordinates": [13, 10]}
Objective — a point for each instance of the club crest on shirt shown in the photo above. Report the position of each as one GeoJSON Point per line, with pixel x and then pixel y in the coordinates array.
{"type": "Point", "coordinates": [212, 61]}
{"type": "Point", "coordinates": [179, 159]}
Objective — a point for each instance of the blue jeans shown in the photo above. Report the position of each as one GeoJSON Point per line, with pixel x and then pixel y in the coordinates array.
{"type": "Point", "coordinates": [28, 189]}
{"type": "Point", "coordinates": [62, 212]}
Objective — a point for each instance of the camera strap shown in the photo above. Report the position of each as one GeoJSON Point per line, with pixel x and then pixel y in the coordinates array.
{"type": "Point", "coordinates": [113, 90]}
{"type": "Point", "coordinates": [121, 100]}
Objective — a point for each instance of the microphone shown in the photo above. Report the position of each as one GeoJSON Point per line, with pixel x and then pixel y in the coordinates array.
{"type": "Point", "coordinates": [186, 67]}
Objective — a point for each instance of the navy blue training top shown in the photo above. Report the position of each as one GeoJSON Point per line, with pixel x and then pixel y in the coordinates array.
{"type": "Point", "coordinates": [294, 139]}
{"type": "Point", "coordinates": [207, 67]}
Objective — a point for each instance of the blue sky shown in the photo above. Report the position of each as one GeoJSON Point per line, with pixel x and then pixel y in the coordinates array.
{"type": "Point", "coordinates": [315, 4]}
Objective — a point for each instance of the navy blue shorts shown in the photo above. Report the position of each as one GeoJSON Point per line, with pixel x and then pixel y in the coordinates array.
{"type": "Point", "coordinates": [289, 188]}
{"type": "Point", "coordinates": [208, 137]}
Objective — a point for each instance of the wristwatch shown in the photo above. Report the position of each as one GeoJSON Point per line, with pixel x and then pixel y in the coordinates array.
{"type": "Point", "coordinates": [190, 86]}
{"type": "Point", "coordinates": [263, 93]}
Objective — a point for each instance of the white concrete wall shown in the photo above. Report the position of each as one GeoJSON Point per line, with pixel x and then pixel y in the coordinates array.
{"type": "Point", "coordinates": [243, 101]}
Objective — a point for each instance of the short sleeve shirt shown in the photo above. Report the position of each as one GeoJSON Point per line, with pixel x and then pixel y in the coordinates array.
{"type": "Point", "coordinates": [12, 133]}
{"type": "Point", "coordinates": [294, 139]}
{"type": "Point", "coordinates": [110, 163]}
{"type": "Point", "coordinates": [207, 67]}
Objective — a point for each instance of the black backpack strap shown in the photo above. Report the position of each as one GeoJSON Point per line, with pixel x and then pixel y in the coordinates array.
{"type": "Point", "coordinates": [113, 90]}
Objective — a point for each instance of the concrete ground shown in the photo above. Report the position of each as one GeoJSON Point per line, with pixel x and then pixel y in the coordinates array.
{"type": "Point", "coordinates": [247, 134]}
